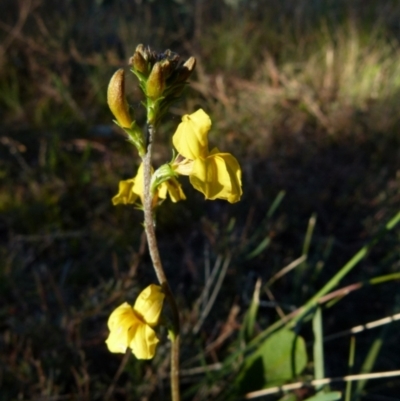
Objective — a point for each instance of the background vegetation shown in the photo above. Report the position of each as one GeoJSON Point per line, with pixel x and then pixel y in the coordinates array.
{"type": "Point", "coordinates": [305, 94]}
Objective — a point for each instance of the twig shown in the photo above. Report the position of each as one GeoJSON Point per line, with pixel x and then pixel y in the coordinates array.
{"type": "Point", "coordinates": [286, 270]}
{"type": "Point", "coordinates": [362, 327]}
{"type": "Point", "coordinates": [314, 383]}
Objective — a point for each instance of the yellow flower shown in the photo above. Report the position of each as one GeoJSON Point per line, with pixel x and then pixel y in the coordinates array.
{"type": "Point", "coordinates": [133, 327]}
{"type": "Point", "coordinates": [133, 189]}
{"type": "Point", "coordinates": [173, 188]}
{"type": "Point", "coordinates": [130, 190]}
{"type": "Point", "coordinates": [217, 175]}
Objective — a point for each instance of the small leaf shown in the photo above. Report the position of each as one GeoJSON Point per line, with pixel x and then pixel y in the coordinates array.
{"type": "Point", "coordinates": [279, 358]}
{"type": "Point", "coordinates": [277, 353]}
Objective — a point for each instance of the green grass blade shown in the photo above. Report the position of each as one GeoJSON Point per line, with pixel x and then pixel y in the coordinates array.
{"type": "Point", "coordinates": [328, 287]}
{"type": "Point", "coordinates": [260, 232]}
{"type": "Point", "coordinates": [335, 280]}
{"type": "Point", "coordinates": [370, 360]}
{"type": "Point", "coordinates": [309, 233]}
{"type": "Point", "coordinates": [261, 246]}
{"type": "Point", "coordinates": [351, 364]}
{"type": "Point", "coordinates": [275, 204]}
{"type": "Point", "coordinates": [251, 315]}
{"type": "Point", "coordinates": [318, 347]}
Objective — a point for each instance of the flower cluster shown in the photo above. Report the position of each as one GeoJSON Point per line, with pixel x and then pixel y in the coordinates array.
{"type": "Point", "coordinates": [162, 78]}
{"type": "Point", "coordinates": [134, 327]}
{"type": "Point", "coordinates": [215, 174]}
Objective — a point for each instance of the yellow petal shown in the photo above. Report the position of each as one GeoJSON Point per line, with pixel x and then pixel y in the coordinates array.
{"type": "Point", "coordinates": [144, 342]}
{"type": "Point", "coordinates": [125, 194]}
{"type": "Point", "coordinates": [218, 177]}
{"type": "Point", "coordinates": [149, 304]}
{"type": "Point", "coordinates": [138, 187]}
{"type": "Point", "coordinates": [190, 138]}
{"type": "Point", "coordinates": [173, 188]}
{"type": "Point", "coordinates": [130, 190]}
{"type": "Point", "coordinates": [162, 191]}
{"type": "Point", "coordinates": [120, 323]}
{"type": "Point", "coordinates": [182, 166]}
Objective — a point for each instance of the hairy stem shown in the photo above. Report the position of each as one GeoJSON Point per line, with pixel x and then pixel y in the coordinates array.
{"type": "Point", "coordinates": [155, 257]}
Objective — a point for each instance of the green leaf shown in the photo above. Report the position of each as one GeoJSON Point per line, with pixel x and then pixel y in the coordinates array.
{"type": "Point", "coordinates": [279, 358]}
{"type": "Point", "coordinates": [333, 396]}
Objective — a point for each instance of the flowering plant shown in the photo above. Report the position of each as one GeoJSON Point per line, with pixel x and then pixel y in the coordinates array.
{"type": "Point", "coordinates": [217, 175]}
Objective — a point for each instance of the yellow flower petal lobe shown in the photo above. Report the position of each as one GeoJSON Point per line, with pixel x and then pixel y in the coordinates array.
{"type": "Point", "coordinates": [138, 187]}
{"type": "Point", "coordinates": [173, 188]}
{"type": "Point", "coordinates": [144, 342]}
{"type": "Point", "coordinates": [133, 327]}
{"type": "Point", "coordinates": [120, 324]}
{"type": "Point", "coordinates": [217, 177]}
{"type": "Point", "coordinates": [130, 190]}
{"type": "Point", "coordinates": [190, 138]}
{"type": "Point", "coordinates": [149, 304]}
{"type": "Point", "coordinates": [125, 194]}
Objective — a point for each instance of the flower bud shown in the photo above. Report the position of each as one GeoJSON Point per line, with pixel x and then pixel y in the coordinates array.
{"type": "Point", "coordinates": [149, 55]}
{"type": "Point", "coordinates": [155, 84]}
{"type": "Point", "coordinates": [186, 69]}
{"type": "Point", "coordinates": [138, 63]}
{"type": "Point", "coordinates": [116, 99]}
{"type": "Point", "coordinates": [169, 63]}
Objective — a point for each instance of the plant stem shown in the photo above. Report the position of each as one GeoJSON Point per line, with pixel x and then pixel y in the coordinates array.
{"type": "Point", "coordinates": [155, 257]}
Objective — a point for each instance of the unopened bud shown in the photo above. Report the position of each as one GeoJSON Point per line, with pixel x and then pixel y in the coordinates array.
{"type": "Point", "coordinates": [142, 50]}
{"type": "Point", "coordinates": [155, 84]}
{"type": "Point", "coordinates": [138, 63]}
{"type": "Point", "coordinates": [186, 69]}
{"type": "Point", "coordinates": [169, 63]}
{"type": "Point", "coordinates": [116, 99]}
{"type": "Point", "coordinates": [190, 63]}
{"type": "Point", "coordinates": [167, 68]}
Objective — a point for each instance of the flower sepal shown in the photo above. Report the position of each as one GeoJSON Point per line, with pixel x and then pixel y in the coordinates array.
{"type": "Point", "coordinates": [162, 174]}
{"type": "Point", "coordinates": [135, 137]}
{"type": "Point", "coordinates": [153, 110]}
{"type": "Point", "coordinates": [164, 182]}
{"type": "Point", "coordinates": [142, 79]}
{"type": "Point", "coordinates": [171, 335]}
